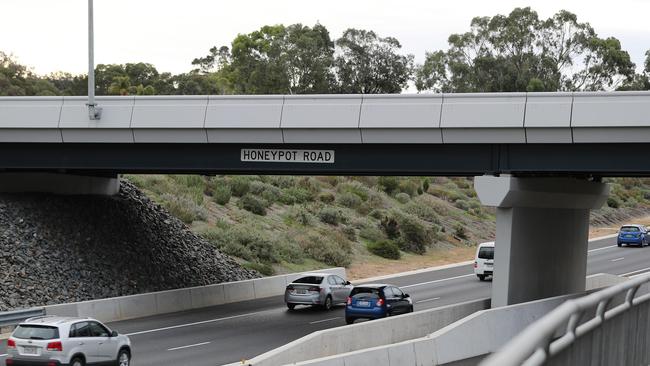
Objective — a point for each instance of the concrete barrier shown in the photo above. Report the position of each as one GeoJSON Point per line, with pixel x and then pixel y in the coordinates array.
{"type": "Point", "coordinates": [355, 337]}
{"type": "Point", "coordinates": [163, 302]}
{"type": "Point", "coordinates": [474, 335]}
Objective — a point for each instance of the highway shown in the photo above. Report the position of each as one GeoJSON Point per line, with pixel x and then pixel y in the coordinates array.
{"type": "Point", "coordinates": [229, 333]}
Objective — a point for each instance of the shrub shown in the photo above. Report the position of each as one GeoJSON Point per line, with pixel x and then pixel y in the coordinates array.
{"type": "Point", "coordinates": [390, 227]}
{"type": "Point", "coordinates": [253, 204]}
{"type": "Point", "coordinates": [372, 233]}
{"type": "Point", "coordinates": [349, 200]}
{"type": "Point", "coordinates": [388, 184]}
{"type": "Point", "coordinates": [239, 186]}
{"type": "Point", "coordinates": [355, 188]}
{"type": "Point", "coordinates": [299, 195]}
{"type": "Point", "coordinates": [414, 236]}
{"type": "Point", "coordinates": [424, 208]}
{"type": "Point", "coordinates": [462, 204]}
{"type": "Point", "coordinates": [425, 184]}
{"type": "Point", "coordinates": [331, 248]}
{"type": "Point", "coordinates": [282, 181]}
{"type": "Point", "coordinates": [221, 194]}
{"type": "Point", "coordinates": [385, 249]}
{"type": "Point", "coordinates": [301, 215]}
{"type": "Point", "coordinates": [409, 186]}
{"type": "Point", "coordinates": [420, 191]}
{"type": "Point", "coordinates": [402, 197]}
{"type": "Point", "coordinates": [613, 202]}
{"type": "Point", "coordinates": [460, 232]}
{"type": "Point", "coordinates": [310, 185]}
{"type": "Point", "coordinates": [183, 208]}
{"type": "Point", "coordinates": [350, 233]}
{"type": "Point", "coordinates": [263, 268]}
{"type": "Point", "coordinates": [326, 197]}
{"type": "Point", "coordinates": [330, 216]}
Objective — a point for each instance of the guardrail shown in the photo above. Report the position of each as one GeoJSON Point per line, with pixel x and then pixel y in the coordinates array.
{"type": "Point", "coordinates": [170, 301]}
{"type": "Point", "coordinates": [540, 342]}
{"type": "Point", "coordinates": [12, 318]}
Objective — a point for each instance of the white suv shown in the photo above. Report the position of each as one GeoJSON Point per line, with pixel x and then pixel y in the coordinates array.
{"type": "Point", "coordinates": [59, 341]}
{"type": "Point", "coordinates": [484, 261]}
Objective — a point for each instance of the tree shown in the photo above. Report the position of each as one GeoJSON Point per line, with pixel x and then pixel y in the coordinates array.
{"type": "Point", "coordinates": [640, 81]}
{"type": "Point", "coordinates": [520, 52]}
{"type": "Point", "coordinates": [274, 60]}
{"type": "Point", "coordinates": [367, 63]}
{"type": "Point", "coordinates": [18, 80]}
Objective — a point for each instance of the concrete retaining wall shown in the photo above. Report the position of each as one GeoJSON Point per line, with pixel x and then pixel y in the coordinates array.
{"type": "Point", "coordinates": [163, 302]}
{"type": "Point", "coordinates": [355, 337]}
{"type": "Point", "coordinates": [475, 335]}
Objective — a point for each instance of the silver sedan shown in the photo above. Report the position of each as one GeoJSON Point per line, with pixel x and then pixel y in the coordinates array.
{"type": "Point", "coordinates": [317, 289]}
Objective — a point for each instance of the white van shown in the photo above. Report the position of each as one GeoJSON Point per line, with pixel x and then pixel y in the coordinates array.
{"type": "Point", "coordinates": [484, 260]}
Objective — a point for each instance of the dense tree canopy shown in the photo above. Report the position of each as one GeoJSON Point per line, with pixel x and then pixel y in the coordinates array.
{"type": "Point", "coordinates": [520, 52]}
{"type": "Point", "coordinates": [514, 52]}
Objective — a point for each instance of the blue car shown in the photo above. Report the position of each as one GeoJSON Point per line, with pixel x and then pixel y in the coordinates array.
{"type": "Point", "coordinates": [633, 235]}
{"type": "Point", "coordinates": [376, 301]}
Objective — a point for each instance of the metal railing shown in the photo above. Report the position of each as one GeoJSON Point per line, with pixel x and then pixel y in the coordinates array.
{"type": "Point", "coordinates": [11, 318]}
{"type": "Point", "coordinates": [540, 341]}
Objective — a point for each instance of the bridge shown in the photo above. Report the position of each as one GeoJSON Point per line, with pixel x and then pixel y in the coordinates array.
{"type": "Point", "coordinates": [538, 157]}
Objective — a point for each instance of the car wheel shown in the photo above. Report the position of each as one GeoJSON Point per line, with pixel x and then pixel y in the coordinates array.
{"type": "Point", "coordinates": [77, 362]}
{"type": "Point", "coordinates": [291, 306]}
{"type": "Point", "coordinates": [123, 358]}
{"type": "Point", "coordinates": [619, 244]}
{"type": "Point", "coordinates": [411, 309]}
{"type": "Point", "coordinates": [328, 303]}
{"type": "Point", "coordinates": [481, 277]}
{"type": "Point", "coordinates": [349, 320]}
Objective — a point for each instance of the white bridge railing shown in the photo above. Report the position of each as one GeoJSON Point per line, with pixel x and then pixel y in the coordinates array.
{"type": "Point", "coordinates": [551, 338]}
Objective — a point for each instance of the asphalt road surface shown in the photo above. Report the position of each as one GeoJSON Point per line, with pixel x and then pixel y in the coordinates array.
{"type": "Point", "coordinates": [229, 333]}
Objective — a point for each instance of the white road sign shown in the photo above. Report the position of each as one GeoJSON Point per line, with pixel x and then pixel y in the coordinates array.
{"type": "Point", "coordinates": [287, 156]}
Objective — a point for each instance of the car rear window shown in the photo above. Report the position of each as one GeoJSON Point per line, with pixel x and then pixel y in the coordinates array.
{"type": "Point", "coordinates": [314, 280]}
{"type": "Point", "coordinates": [364, 292]}
{"type": "Point", "coordinates": [36, 332]}
{"type": "Point", "coordinates": [486, 253]}
{"type": "Point", "coordinates": [630, 229]}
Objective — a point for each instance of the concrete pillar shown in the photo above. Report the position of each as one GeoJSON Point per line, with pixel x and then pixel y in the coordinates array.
{"type": "Point", "coordinates": [542, 234]}
{"type": "Point", "coordinates": [58, 184]}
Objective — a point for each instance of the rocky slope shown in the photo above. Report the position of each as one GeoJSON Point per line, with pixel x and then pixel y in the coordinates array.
{"type": "Point", "coordinates": [56, 249]}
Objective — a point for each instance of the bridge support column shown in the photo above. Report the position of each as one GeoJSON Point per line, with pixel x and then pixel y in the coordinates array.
{"type": "Point", "coordinates": [542, 234]}
{"type": "Point", "coordinates": [58, 184]}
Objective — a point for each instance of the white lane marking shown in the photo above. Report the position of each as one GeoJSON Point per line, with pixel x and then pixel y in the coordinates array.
{"type": "Point", "coordinates": [436, 281]}
{"type": "Point", "coordinates": [427, 300]}
{"type": "Point", "coordinates": [196, 323]}
{"type": "Point", "coordinates": [603, 248]}
{"type": "Point", "coordinates": [191, 345]}
{"type": "Point", "coordinates": [635, 272]}
{"type": "Point", "coordinates": [618, 259]}
{"type": "Point", "coordinates": [324, 320]}
{"type": "Point", "coordinates": [4, 355]}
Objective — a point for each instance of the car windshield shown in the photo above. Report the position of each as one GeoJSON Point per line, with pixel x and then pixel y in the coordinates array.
{"type": "Point", "coordinates": [313, 280]}
{"type": "Point", "coordinates": [630, 229]}
{"type": "Point", "coordinates": [364, 292]}
{"type": "Point", "coordinates": [36, 332]}
{"type": "Point", "coordinates": [486, 253]}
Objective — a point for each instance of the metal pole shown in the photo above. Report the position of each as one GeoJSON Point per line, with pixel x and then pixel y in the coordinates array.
{"type": "Point", "coordinates": [94, 113]}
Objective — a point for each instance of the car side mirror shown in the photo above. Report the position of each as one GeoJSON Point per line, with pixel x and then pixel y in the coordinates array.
{"type": "Point", "coordinates": [347, 283]}
{"type": "Point", "coordinates": [406, 296]}
{"type": "Point", "coordinates": [114, 333]}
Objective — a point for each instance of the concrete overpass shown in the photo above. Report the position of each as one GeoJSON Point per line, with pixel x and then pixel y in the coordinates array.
{"type": "Point", "coordinates": [538, 142]}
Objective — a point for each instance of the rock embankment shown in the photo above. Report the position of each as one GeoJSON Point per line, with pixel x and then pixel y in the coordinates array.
{"type": "Point", "coordinates": [57, 249]}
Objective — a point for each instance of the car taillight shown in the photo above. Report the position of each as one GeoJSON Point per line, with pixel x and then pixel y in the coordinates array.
{"type": "Point", "coordinates": [9, 361]}
{"type": "Point", "coordinates": [380, 302]}
{"type": "Point", "coordinates": [55, 346]}
{"type": "Point", "coordinates": [51, 363]}
{"type": "Point", "coordinates": [349, 301]}
{"type": "Point", "coordinates": [314, 288]}
{"type": "Point", "coordinates": [11, 343]}
{"type": "Point", "coordinates": [290, 288]}
{"type": "Point", "coordinates": [475, 264]}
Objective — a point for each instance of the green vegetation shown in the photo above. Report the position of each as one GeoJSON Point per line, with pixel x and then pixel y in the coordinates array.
{"type": "Point", "coordinates": [283, 223]}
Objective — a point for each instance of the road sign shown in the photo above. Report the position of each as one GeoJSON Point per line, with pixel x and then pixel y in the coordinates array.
{"type": "Point", "coordinates": [287, 156]}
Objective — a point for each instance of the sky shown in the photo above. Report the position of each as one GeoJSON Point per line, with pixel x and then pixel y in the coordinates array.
{"type": "Point", "coordinates": [51, 35]}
